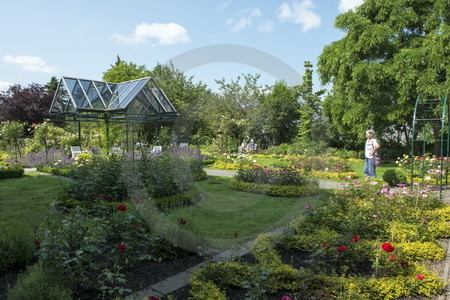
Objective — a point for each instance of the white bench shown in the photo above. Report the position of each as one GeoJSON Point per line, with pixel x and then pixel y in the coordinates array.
{"type": "Point", "coordinates": [116, 150]}
{"type": "Point", "coordinates": [183, 145]}
{"type": "Point", "coordinates": [156, 149]}
{"type": "Point", "coordinates": [76, 150]}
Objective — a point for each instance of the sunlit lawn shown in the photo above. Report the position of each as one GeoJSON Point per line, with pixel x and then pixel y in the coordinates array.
{"type": "Point", "coordinates": [224, 212]}
{"type": "Point", "coordinates": [26, 201]}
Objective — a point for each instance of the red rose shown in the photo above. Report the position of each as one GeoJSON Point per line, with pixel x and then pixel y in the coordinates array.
{"type": "Point", "coordinates": [104, 197]}
{"type": "Point", "coordinates": [387, 247]}
{"type": "Point", "coordinates": [94, 195]}
{"type": "Point", "coordinates": [122, 207]}
{"type": "Point", "coordinates": [236, 234]}
{"type": "Point", "coordinates": [341, 248]}
{"type": "Point", "coordinates": [325, 245]}
{"type": "Point", "coordinates": [121, 247]}
{"type": "Point", "coordinates": [37, 243]}
{"type": "Point", "coordinates": [181, 221]}
{"type": "Point", "coordinates": [153, 298]}
{"type": "Point", "coordinates": [356, 238]}
{"type": "Point", "coordinates": [134, 226]}
{"type": "Point", "coordinates": [420, 277]}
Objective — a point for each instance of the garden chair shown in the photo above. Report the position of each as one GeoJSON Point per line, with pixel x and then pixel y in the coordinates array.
{"type": "Point", "coordinates": [76, 150]}
{"type": "Point", "coordinates": [156, 149]}
{"type": "Point", "coordinates": [116, 150]}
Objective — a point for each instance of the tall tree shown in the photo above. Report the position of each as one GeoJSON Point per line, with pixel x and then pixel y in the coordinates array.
{"type": "Point", "coordinates": [25, 104]}
{"type": "Point", "coordinates": [311, 122]}
{"type": "Point", "coordinates": [392, 52]}
{"type": "Point", "coordinates": [277, 115]}
{"type": "Point", "coordinates": [123, 71]}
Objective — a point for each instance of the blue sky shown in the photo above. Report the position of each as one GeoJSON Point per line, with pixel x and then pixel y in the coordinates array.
{"type": "Point", "coordinates": [40, 39]}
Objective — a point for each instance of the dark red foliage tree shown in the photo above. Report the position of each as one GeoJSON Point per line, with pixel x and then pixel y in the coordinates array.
{"type": "Point", "coordinates": [25, 104]}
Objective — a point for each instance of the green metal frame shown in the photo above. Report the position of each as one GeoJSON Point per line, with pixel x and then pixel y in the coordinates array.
{"type": "Point", "coordinates": [431, 112]}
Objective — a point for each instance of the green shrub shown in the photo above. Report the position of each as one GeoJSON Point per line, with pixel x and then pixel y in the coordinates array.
{"type": "Point", "coordinates": [170, 203]}
{"type": "Point", "coordinates": [16, 246]}
{"type": "Point", "coordinates": [394, 176]}
{"type": "Point", "coordinates": [166, 175]}
{"type": "Point", "coordinates": [11, 172]}
{"type": "Point", "coordinates": [101, 176]}
{"type": "Point", "coordinates": [38, 283]}
{"type": "Point", "coordinates": [206, 290]}
{"type": "Point", "coordinates": [422, 251]}
{"type": "Point", "coordinates": [56, 171]}
{"type": "Point", "coordinates": [308, 189]}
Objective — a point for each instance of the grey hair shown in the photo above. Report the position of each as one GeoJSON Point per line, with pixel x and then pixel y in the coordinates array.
{"type": "Point", "coordinates": [371, 133]}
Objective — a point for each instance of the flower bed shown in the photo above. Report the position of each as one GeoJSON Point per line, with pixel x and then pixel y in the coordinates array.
{"type": "Point", "coordinates": [322, 167]}
{"type": "Point", "coordinates": [368, 242]}
{"type": "Point", "coordinates": [278, 183]}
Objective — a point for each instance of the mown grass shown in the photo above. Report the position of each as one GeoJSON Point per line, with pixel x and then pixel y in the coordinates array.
{"type": "Point", "coordinates": [224, 212]}
{"type": "Point", "coordinates": [26, 200]}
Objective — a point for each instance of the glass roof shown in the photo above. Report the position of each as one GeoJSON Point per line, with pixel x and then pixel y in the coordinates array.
{"type": "Point", "coordinates": [81, 99]}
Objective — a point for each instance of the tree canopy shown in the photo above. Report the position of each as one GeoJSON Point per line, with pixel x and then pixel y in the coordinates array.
{"type": "Point", "coordinates": [392, 52]}
{"type": "Point", "coordinates": [26, 104]}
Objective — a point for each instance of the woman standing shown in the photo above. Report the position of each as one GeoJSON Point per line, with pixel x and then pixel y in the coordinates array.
{"type": "Point", "coordinates": [370, 148]}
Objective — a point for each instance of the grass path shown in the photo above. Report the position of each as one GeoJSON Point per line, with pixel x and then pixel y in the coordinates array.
{"type": "Point", "coordinates": [224, 212]}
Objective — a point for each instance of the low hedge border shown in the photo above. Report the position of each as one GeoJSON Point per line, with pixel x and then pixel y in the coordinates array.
{"type": "Point", "coordinates": [310, 188]}
{"type": "Point", "coordinates": [56, 171]}
{"type": "Point", "coordinates": [169, 203]}
{"type": "Point", "coordinates": [11, 172]}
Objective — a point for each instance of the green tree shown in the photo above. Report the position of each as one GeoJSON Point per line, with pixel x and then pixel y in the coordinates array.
{"type": "Point", "coordinates": [187, 98]}
{"type": "Point", "coordinates": [277, 116]}
{"type": "Point", "coordinates": [231, 113]}
{"type": "Point", "coordinates": [11, 132]}
{"type": "Point", "coordinates": [311, 121]}
{"type": "Point", "coordinates": [392, 52]}
{"type": "Point", "coordinates": [123, 71]}
{"type": "Point", "coordinates": [52, 85]}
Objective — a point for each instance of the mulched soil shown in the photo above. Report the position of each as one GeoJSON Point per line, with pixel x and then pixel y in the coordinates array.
{"type": "Point", "coordinates": [140, 277]}
{"type": "Point", "coordinates": [8, 280]}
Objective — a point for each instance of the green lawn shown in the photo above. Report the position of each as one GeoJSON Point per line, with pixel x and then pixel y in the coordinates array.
{"type": "Point", "coordinates": [223, 212]}
{"type": "Point", "coordinates": [358, 167]}
{"type": "Point", "coordinates": [26, 200]}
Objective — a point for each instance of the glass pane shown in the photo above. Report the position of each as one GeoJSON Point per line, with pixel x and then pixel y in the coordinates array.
{"type": "Point", "coordinates": [132, 93]}
{"type": "Point", "coordinates": [61, 99]}
{"type": "Point", "coordinates": [70, 83]}
{"type": "Point", "coordinates": [152, 100]}
{"type": "Point", "coordinates": [104, 92]}
{"type": "Point", "coordinates": [78, 95]}
{"type": "Point", "coordinates": [164, 101]}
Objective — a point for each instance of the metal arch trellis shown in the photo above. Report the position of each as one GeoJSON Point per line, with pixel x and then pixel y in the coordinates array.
{"type": "Point", "coordinates": [431, 127]}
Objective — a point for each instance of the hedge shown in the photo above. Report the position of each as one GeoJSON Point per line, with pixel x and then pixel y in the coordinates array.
{"type": "Point", "coordinates": [308, 189]}
{"type": "Point", "coordinates": [11, 172]}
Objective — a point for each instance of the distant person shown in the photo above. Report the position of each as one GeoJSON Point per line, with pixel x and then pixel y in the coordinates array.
{"type": "Point", "coordinates": [371, 147]}
{"type": "Point", "coordinates": [252, 145]}
{"type": "Point", "coordinates": [242, 147]}
{"type": "Point", "coordinates": [174, 140]}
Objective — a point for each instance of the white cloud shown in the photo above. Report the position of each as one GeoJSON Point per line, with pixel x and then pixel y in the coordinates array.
{"type": "Point", "coordinates": [4, 85]}
{"type": "Point", "coordinates": [29, 63]}
{"type": "Point", "coordinates": [346, 5]}
{"type": "Point", "coordinates": [223, 5]}
{"type": "Point", "coordinates": [266, 26]}
{"type": "Point", "coordinates": [300, 13]}
{"type": "Point", "coordinates": [156, 33]}
{"type": "Point", "coordinates": [246, 20]}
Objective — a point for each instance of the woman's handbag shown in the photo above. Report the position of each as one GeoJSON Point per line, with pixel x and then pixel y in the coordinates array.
{"type": "Point", "coordinates": [376, 159]}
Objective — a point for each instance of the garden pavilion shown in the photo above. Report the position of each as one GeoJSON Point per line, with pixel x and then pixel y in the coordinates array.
{"type": "Point", "coordinates": [130, 102]}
